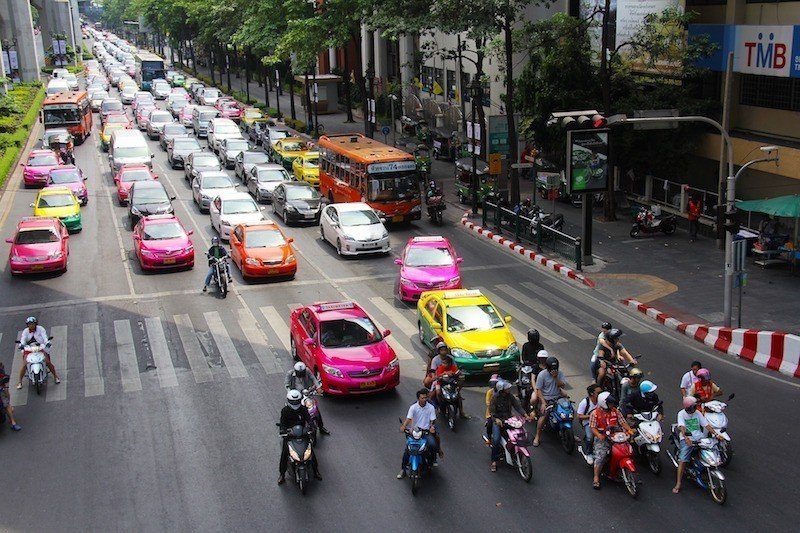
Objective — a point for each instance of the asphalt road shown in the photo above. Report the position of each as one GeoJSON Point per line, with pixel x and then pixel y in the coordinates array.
{"type": "Point", "coordinates": [165, 418]}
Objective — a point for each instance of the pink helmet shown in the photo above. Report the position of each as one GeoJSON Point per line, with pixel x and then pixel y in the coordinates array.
{"type": "Point", "coordinates": [689, 401]}
{"type": "Point", "coordinates": [703, 374]}
{"type": "Point", "coordinates": [493, 380]}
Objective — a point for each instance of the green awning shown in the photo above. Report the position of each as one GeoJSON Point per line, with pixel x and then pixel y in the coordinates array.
{"type": "Point", "coordinates": [782, 206]}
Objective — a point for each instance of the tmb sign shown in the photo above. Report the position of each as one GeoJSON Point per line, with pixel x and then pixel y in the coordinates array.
{"type": "Point", "coordinates": [764, 50]}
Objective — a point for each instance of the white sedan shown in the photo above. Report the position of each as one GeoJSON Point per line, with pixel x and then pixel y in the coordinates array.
{"type": "Point", "coordinates": [354, 228]}
{"type": "Point", "coordinates": [232, 209]}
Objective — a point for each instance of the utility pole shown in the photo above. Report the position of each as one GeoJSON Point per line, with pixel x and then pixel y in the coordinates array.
{"type": "Point", "coordinates": [726, 118]}
{"type": "Point", "coordinates": [476, 92]}
{"type": "Point", "coordinates": [461, 87]}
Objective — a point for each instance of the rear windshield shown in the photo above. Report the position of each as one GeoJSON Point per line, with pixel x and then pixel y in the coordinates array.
{"type": "Point", "coordinates": [136, 175]}
{"type": "Point", "coordinates": [216, 182]}
{"type": "Point", "coordinates": [150, 195]}
{"type": "Point", "coordinates": [43, 160]}
{"type": "Point", "coordinates": [207, 115]}
{"type": "Point", "coordinates": [66, 176]}
{"type": "Point", "coordinates": [255, 157]}
{"type": "Point", "coordinates": [238, 207]}
{"type": "Point", "coordinates": [205, 161]}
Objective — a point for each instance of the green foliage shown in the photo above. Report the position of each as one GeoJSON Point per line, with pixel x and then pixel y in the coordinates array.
{"type": "Point", "coordinates": [297, 125]}
{"type": "Point", "coordinates": [8, 156]}
{"type": "Point", "coordinates": [26, 100]}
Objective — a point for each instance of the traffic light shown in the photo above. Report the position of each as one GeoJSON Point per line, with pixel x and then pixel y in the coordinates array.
{"type": "Point", "coordinates": [578, 120]}
{"type": "Point", "coordinates": [732, 223]}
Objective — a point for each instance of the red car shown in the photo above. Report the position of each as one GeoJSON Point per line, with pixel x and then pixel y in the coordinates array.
{"type": "Point", "coordinates": [161, 242]}
{"type": "Point", "coordinates": [222, 100]}
{"type": "Point", "coordinates": [38, 166]}
{"type": "Point", "coordinates": [127, 175]}
{"type": "Point", "coordinates": [344, 348]}
{"type": "Point", "coordinates": [231, 110]}
{"type": "Point", "coordinates": [40, 244]}
{"type": "Point", "coordinates": [119, 118]}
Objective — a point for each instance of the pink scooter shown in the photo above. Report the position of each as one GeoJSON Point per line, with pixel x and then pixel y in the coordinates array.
{"type": "Point", "coordinates": [515, 445]}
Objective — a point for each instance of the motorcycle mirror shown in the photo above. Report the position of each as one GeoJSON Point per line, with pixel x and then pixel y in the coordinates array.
{"type": "Point", "coordinates": [396, 261]}
{"type": "Point", "coordinates": [732, 396]}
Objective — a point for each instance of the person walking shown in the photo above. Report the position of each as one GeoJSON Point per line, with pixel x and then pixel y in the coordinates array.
{"type": "Point", "coordinates": [695, 209]}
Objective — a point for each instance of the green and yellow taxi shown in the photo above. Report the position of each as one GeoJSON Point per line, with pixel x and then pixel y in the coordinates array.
{"type": "Point", "coordinates": [61, 203]}
{"type": "Point", "coordinates": [105, 134]}
{"type": "Point", "coordinates": [250, 116]}
{"type": "Point", "coordinates": [306, 168]}
{"type": "Point", "coordinates": [286, 150]}
{"type": "Point", "coordinates": [476, 333]}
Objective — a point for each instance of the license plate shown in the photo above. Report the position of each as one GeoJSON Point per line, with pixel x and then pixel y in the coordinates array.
{"type": "Point", "coordinates": [309, 215]}
{"type": "Point", "coordinates": [397, 218]}
{"type": "Point", "coordinates": [170, 261]}
{"type": "Point", "coordinates": [272, 271]}
{"type": "Point", "coordinates": [489, 366]}
{"type": "Point", "coordinates": [37, 267]}
{"type": "Point", "coordinates": [368, 384]}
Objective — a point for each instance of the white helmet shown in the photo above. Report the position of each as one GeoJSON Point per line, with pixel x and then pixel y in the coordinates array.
{"type": "Point", "coordinates": [293, 398]}
{"type": "Point", "coordinates": [299, 367]}
{"type": "Point", "coordinates": [542, 354]}
{"type": "Point", "coordinates": [601, 400]}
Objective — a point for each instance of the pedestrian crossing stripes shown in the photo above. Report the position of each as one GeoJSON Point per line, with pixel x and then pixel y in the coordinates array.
{"type": "Point", "coordinates": [191, 347]}
{"type": "Point", "coordinates": [126, 351]}
{"type": "Point", "coordinates": [225, 345]}
{"type": "Point", "coordinates": [543, 309]}
{"type": "Point", "coordinates": [276, 322]}
{"type": "Point", "coordinates": [161, 357]}
{"type": "Point", "coordinates": [258, 342]}
{"type": "Point", "coordinates": [93, 382]}
{"type": "Point", "coordinates": [523, 317]}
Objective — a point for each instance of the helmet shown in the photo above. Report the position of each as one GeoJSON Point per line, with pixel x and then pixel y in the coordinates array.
{"type": "Point", "coordinates": [703, 374]}
{"type": "Point", "coordinates": [552, 363]}
{"type": "Point", "coordinates": [647, 387]}
{"type": "Point", "coordinates": [293, 398]}
{"type": "Point", "coordinates": [533, 336]}
{"type": "Point", "coordinates": [432, 184]}
{"type": "Point", "coordinates": [635, 373]}
{"type": "Point", "coordinates": [602, 400]}
{"type": "Point", "coordinates": [689, 401]}
{"type": "Point", "coordinates": [31, 320]}
{"type": "Point", "coordinates": [494, 379]}
{"type": "Point", "coordinates": [542, 355]}
{"type": "Point", "coordinates": [299, 367]}
{"type": "Point", "coordinates": [214, 241]}
{"type": "Point", "coordinates": [502, 385]}
{"type": "Point", "coordinates": [614, 334]}
{"type": "Point", "coordinates": [440, 345]}
{"type": "Point", "coordinates": [606, 325]}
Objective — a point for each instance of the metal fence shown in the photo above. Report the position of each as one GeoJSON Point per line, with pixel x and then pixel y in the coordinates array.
{"type": "Point", "coordinates": [523, 229]}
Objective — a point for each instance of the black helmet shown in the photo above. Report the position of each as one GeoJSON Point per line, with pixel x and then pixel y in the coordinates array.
{"type": "Point", "coordinates": [614, 334]}
{"type": "Point", "coordinates": [606, 325]}
{"type": "Point", "coordinates": [552, 363]}
{"type": "Point", "coordinates": [533, 336]}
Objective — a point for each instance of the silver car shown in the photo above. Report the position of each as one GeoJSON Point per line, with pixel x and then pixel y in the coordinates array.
{"type": "Point", "coordinates": [262, 180]}
{"type": "Point", "coordinates": [179, 148]}
{"type": "Point", "coordinates": [198, 162]}
{"type": "Point", "coordinates": [160, 90]}
{"type": "Point", "coordinates": [156, 122]}
{"type": "Point", "coordinates": [229, 150]}
{"type": "Point", "coordinates": [170, 131]}
{"type": "Point", "coordinates": [247, 160]}
{"type": "Point", "coordinates": [209, 184]}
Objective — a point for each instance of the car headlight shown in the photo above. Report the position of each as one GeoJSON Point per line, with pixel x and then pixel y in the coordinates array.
{"type": "Point", "coordinates": [291, 259]}
{"type": "Point", "coordinates": [392, 364]}
{"type": "Point", "coordinates": [224, 222]}
{"type": "Point", "coordinates": [290, 208]}
{"type": "Point", "coordinates": [17, 259]}
{"type": "Point", "coordinates": [135, 211]}
{"type": "Point", "coordinates": [513, 349]}
{"type": "Point", "coordinates": [454, 280]}
{"type": "Point", "coordinates": [56, 255]}
{"type": "Point", "coordinates": [404, 281]}
{"type": "Point", "coordinates": [349, 238]}
{"type": "Point", "coordinates": [148, 253]}
{"type": "Point", "coordinates": [251, 261]}
{"type": "Point", "coordinates": [460, 352]}
{"type": "Point", "coordinates": [333, 371]}
{"type": "Point", "coordinates": [416, 209]}
{"type": "Point", "coordinates": [205, 197]}
{"type": "Point", "coordinates": [385, 235]}
{"type": "Point", "coordinates": [188, 250]}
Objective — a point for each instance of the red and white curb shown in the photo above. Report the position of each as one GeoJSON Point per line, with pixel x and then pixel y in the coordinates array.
{"type": "Point", "coordinates": [533, 256]}
{"type": "Point", "coordinates": [771, 349]}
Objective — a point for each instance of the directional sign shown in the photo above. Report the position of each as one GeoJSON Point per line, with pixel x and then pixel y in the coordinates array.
{"type": "Point", "coordinates": [386, 130]}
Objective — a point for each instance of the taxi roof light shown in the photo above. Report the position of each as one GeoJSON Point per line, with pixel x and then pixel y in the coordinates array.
{"type": "Point", "coordinates": [428, 238]}
{"type": "Point", "coordinates": [336, 306]}
{"type": "Point", "coordinates": [468, 293]}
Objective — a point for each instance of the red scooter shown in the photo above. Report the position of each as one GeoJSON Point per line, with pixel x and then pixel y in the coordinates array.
{"type": "Point", "coordinates": [620, 466]}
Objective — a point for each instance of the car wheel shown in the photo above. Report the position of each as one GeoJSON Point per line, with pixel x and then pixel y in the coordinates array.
{"type": "Point", "coordinates": [339, 246]}
{"type": "Point", "coordinates": [285, 217]}
{"type": "Point", "coordinates": [420, 333]}
{"type": "Point", "coordinates": [259, 199]}
{"type": "Point", "coordinates": [322, 232]}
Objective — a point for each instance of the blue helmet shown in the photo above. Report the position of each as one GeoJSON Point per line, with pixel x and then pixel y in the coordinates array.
{"type": "Point", "coordinates": [647, 386]}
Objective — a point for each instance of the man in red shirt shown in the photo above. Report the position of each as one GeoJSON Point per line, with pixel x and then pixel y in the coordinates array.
{"type": "Point", "coordinates": [695, 210]}
{"type": "Point", "coordinates": [606, 415]}
{"type": "Point", "coordinates": [448, 368]}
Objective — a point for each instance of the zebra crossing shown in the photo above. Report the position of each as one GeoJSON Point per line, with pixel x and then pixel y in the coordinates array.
{"type": "Point", "coordinates": [139, 354]}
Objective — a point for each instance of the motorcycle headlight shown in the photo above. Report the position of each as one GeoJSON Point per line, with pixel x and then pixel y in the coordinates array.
{"type": "Point", "coordinates": [526, 380]}
{"type": "Point", "coordinates": [563, 416]}
{"type": "Point", "coordinates": [460, 352]}
{"type": "Point", "coordinates": [307, 455]}
{"type": "Point", "coordinates": [333, 371]}
{"type": "Point", "coordinates": [293, 454]}
{"type": "Point", "coordinates": [308, 403]}
{"type": "Point", "coordinates": [392, 364]}
{"type": "Point", "coordinates": [513, 349]}
{"type": "Point", "coordinates": [416, 209]}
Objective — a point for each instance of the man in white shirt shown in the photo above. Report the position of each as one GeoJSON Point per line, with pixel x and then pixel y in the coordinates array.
{"type": "Point", "coordinates": [35, 333]}
{"type": "Point", "coordinates": [692, 427]}
{"type": "Point", "coordinates": [690, 377]}
{"type": "Point", "coordinates": [420, 415]}
{"type": "Point", "coordinates": [585, 408]}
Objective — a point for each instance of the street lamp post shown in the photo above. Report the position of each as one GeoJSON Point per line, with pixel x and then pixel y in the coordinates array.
{"type": "Point", "coordinates": [476, 93]}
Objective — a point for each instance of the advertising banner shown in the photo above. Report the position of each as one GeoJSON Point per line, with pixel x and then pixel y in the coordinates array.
{"type": "Point", "coordinates": [587, 161]}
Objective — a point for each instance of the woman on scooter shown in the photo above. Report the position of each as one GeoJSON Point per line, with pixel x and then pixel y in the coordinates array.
{"type": "Point", "coordinates": [501, 409]}
{"type": "Point", "coordinates": [605, 416]}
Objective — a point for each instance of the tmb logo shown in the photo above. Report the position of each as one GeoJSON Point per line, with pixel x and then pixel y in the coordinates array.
{"type": "Point", "coordinates": [767, 54]}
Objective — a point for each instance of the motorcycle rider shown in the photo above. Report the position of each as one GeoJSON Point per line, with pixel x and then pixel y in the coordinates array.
{"type": "Point", "coordinates": [500, 409]}
{"type": "Point", "coordinates": [294, 413]}
{"type": "Point", "coordinates": [216, 252]}
{"type": "Point", "coordinates": [704, 389]}
{"type": "Point", "coordinates": [615, 352]}
{"type": "Point", "coordinates": [35, 333]}
{"type": "Point", "coordinates": [645, 400]}
{"type": "Point", "coordinates": [605, 416]}
{"type": "Point", "coordinates": [691, 423]}
{"type": "Point", "coordinates": [422, 415]}
{"type": "Point", "coordinates": [631, 385]}
{"type": "Point", "coordinates": [448, 368]}
{"type": "Point", "coordinates": [549, 388]}
{"type": "Point", "coordinates": [433, 190]}
{"type": "Point", "coordinates": [488, 400]}
{"type": "Point", "coordinates": [584, 411]}
{"type": "Point", "coordinates": [605, 327]}
{"type": "Point", "coordinates": [440, 349]}
{"type": "Point", "coordinates": [5, 399]}
{"type": "Point", "coordinates": [690, 377]}
{"type": "Point", "coordinates": [532, 347]}
{"type": "Point", "coordinates": [299, 378]}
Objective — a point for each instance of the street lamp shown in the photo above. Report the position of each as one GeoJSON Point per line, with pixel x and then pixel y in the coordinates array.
{"type": "Point", "coordinates": [476, 94]}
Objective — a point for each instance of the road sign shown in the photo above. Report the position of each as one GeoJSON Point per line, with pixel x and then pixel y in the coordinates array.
{"type": "Point", "coordinates": [739, 253]}
{"type": "Point", "coordinates": [386, 130]}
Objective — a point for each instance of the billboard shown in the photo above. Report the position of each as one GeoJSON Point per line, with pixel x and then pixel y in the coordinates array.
{"type": "Point", "coordinates": [587, 161]}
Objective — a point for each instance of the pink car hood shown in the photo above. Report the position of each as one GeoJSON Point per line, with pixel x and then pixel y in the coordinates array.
{"type": "Point", "coordinates": [167, 245]}
{"type": "Point", "coordinates": [378, 353]}
{"type": "Point", "coordinates": [429, 274]}
{"type": "Point", "coordinates": [39, 171]}
{"type": "Point", "coordinates": [35, 250]}
{"type": "Point", "coordinates": [77, 187]}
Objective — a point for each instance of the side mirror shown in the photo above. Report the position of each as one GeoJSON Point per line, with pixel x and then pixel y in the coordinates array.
{"type": "Point", "coordinates": [386, 332]}
{"type": "Point", "coordinates": [309, 342]}
{"type": "Point", "coordinates": [172, 197]}
{"type": "Point", "coordinates": [31, 205]}
{"type": "Point", "coordinates": [436, 326]}
{"type": "Point", "coordinates": [507, 318]}
{"type": "Point", "coordinates": [190, 232]}
{"type": "Point", "coordinates": [398, 261]}
{"type": "Point", "coordinates": [152, 156]}
{"type": "Point", "coordinates": [10, 241]}
{"type": "Point", "coordinates": [136, 237]}
{"type": "Point", "coordinates": [290, 240]}
{"type": "Point", "coordinates": [731, 397]}
{"type": "Point", "coordinates": [85, 178]}
{"type": "Point", "coordinates": [459, 260]}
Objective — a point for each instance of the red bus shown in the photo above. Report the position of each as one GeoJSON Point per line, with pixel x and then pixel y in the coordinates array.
{"type": "Point", "coordinates": [355, 168]}
{"type": "Point", "coordinates": [70, 110]}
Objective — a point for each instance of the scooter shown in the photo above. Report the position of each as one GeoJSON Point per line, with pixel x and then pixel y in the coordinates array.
{"type": "Point", "coordinates": [220, 277]}
{"type": "Point", "coordinates": [714, 411]}
{"type": "Point", "coordinates": [559, 419]}
{"type": "Point", "coordinates": [538, 217]}
{"type": "Point", "coordinates": [647, 439]}
{"type": "Point", "coordinates": [525, 382]}
{"type": "Point", "coordinates": [419, 461]}
{"type": "Point", "coordinates": [36, 365]}
{"type": "Point", "coordinates": [620, 466]}
{"type": "Point", "coordinates": [300, 455]}
{"type": "Point", "coordinates": [515, 447]}
{"type": "Point", "coordinates": [647, 222]}
{"type": "Point", "coordinates": [703, 467]}
{"type": "Point", "coordinates": [436, 207]}
{"type": "Point", "coordinates": [449, 399]}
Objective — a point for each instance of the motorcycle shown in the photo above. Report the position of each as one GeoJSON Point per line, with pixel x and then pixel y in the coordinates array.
{"type": "Point", "coordinates": [559, 418]}
{"type": "Point", "coordinates": [36, 365]}
{"type": "Point", "coordinates": [449, 399]}
{"type": "Point", "coordinates": [620, 466]}
{"type": "Point", "coordinates": [647, 439]}
{"type": "Point", "coordinates": [538, 216]}
{"type": "Point", "coordinates": [648, 222]}
{"type": "Point", "coordinates": [220, 277]}
{"type": "Point", "coordinates": [436, 206]}
{"type": "Point", "coordinates": [514, 442]}
{"type": "Point", "coordinates": [525, 383]}
{"type": "Point", "coordinates": [714, 411]}
{"type": "Point", "coordinates": [616, 374]}
{"type": "Point", "coordinates": [300, 454]}
{"type": "Point", "coordinates": [419, 460]}
{"type": "Point", "coordinates": [422, 157]}
{"type": "Point", "coordinates": [703, 467]}
{"type": "Point", "coordinates": [310, 403]}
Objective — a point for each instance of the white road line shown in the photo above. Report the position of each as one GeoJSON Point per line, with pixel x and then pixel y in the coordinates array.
{"type": "Point", "coordinates": [115, 222]}
{"type": "Point", "coordinates": [278, 326]}
{"type": "Point", "coordinates": [128, 364]}
{"type": "Point", "coordinates": [58, 356]}
{"type": "Point", "coordinates": [193, 350]}
{"type": "Point", "coordinates": [18, 397]}
{"type": "Point", "coordinates": [258, 341]}
{"type": "Point", "coordinates": [225, 345]}
{"type": "Point", "coordinates": [92, 364]}
{"type": "Point", "coordinates": [545, 310]}
{"type": "Point", "coordinates": [160, 351]}
{"type": "Point", "coordinates": [523, 318]}
{"type": "Point", "coordinates": [397, 318]}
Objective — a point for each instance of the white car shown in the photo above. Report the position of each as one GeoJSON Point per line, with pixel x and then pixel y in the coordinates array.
{"type": "Point", "coordinates": [160, 90]}
{"type": "Point", "coordinates": [208, 96]}
{"type": "Point", "coordinates": [72, 81]}
{"type": "Point", "coordinates": [220, 129]}
{"type": "Point", "coordinates": [353, 229]}
{"type": "Point", "coordinates": [127, 94]}
{"type": "Point", "coordinates": [232, 209]}
{"type": "Point", "coordinates": [208, 185]}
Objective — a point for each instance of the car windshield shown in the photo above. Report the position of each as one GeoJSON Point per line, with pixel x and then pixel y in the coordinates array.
{"type": "Point", "coordinates": [226, 128]}
{"type": "Point", "coordinates": [36, 236]}
{"type": "Point", "coordinates": [264, 238]}
{"type": "Point", "coordinates": [255, 157]}
{"type": "Point", "coordinates": [162, 86]}
{"type": "Point", "coordinates": [358, 218]}
{"type": "Point", "coordinates": [311, 163]}
{"type": "Point", "coordinates": [179, 103]}
{"type": "Point", "coordinates": [239, 207]}
{"type": "Point", "coordinates": [348, 332]}
{"type": "Point", "coordinates": [211, 93]}
{"type": "Point", "coordinates": [428, 257]}
{"type": "Point", "coordinates": [158, 118]}
{"type": "Point", "coordinates": [150, 195]}
{"type": "Point", "coordinates": [113, 105]}
{"type": "Point", "coordinates": [188, 144]}
{"type": "Point", "coordinates": [66, 176]}
{"type": "Point", "coordinates": [205, 161]}
{"type": "Point", "coordinates": [393, 186]}
{"type": "Point", "coordinates": [236, 144]}
{"type": "Point", "coordinates": [272, 175]}
{"type": "Point", "coordinates": [472, 318]}
{"type": "Point", "coordinates": [174, 129]}
{"type": "Point", "coordinates": [207, 115]}
{"type": "Point", "coordinates": [162, 231]}
{"type": "Point", "coordinates": [301, 193]}
{"type": "Point", "coordinates": [56, 200]}
{"type": "Point", "coordinates": [99, 95]}
{"type": "Point", "coordinates": [137, 175]}
{"type": "Point", "coordinates": [252, 113]}
{"type": "Point", "coordinates": [292, 146]}
{"type": "Point", "coordinates": [275, 135]}
{"type": "Point", "coordinates": [42, 160]}
{"type": "Point", "coordinates": [117, 119]}
{"type": "Point", "coordinates": [216, 182]}
{"type": "Point", "coordinates": [132, 151]}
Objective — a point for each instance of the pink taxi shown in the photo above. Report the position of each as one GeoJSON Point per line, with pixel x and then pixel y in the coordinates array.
{"type": "Point", "coordinates": [231, 110]}
{"type": "Point", "coordinates": [40, 244]}
{"type": "Point", "coordinates": [344, 348]}
{"type": "Point", "coordinates": [73, 179]}
{"type": "Point", "coordinates": [38, 166]}
{"type": "Point", "coordinates": [427, 264]}
{"type": "Point", "coordinates": [161, 242]}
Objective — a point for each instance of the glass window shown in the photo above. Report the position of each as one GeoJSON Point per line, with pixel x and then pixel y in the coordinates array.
{"type": "Point", "coordinates": [770, 91]}
{"type": "Point", "coordinates": [359, 218]}
{"type": "Point", "coordinates": [301, 193]}
{"type": "Point", "coordinates": [162, 231]}
{"type": "Point", "coordinates": [136, 175]}
{"type": "Point", "coordinates": [238, 207]}
{"type": "Point", "coordinates": [216, 182]}
{"type": "Point", "coordinates": [56, 200]}
{"type": "Point", "coordinates": [348, 332]}
{"type": "Point", "coordinates": [205, 161]}
{"type": "Point", "coordinates": [428, 257]}
{"type": "Point", "coordinates": [472, 318]}
{"type": "Point", "coordinates": [150, 195]}
{"type": "Point", "coordinates": [43, 160]}
{"type": "Point", "coordinates": [264, 238]}
{"type": "Point", "coordinates": [272, 175]}
{"type": "Point", "coordinates": [255, 157]}
{"type": "Point", "coordinates": [66, 176]}
{"type": "Point", "coordinates": [393, 186]}
{"type": "Point", "coordinates": [36, 236]}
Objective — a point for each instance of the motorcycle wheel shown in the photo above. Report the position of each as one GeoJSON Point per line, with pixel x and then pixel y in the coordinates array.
{"type": "Point", "coordinates": [223, 286]}
{"type": "Point", "coordinates": [524, 467]}
{"type": "Point", "coordinates": [669, 228]}
{"type": "Point", "coordinates": [451, 417]}
{"type": "Point", "coordinates": [38, 386]}
{"type": "Point", "coordinates": [726, 453]}
{"type": "Point", "coordinates": [631, 483]}
{"type": "Point", "coordinates": [415, 483]}
{"type": "Point", "coordinates": [302, 482]}
{"type": "Point", "coordinates": [567, 437]}
{"type": "Point", "coordinates": [634, 232]}
{"type": "Point", "coordinates": [654, 462]}
{"type": "Point", "coordinates": [719, 493]}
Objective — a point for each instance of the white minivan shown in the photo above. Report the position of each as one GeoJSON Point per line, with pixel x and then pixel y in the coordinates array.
{"type": "Point", "coordinates": [57, 85]}
{"type": "Point", "coordinates": [128, 147]}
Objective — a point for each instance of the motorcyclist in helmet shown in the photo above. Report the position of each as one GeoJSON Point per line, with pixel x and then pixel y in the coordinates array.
{"type": "Point", "coordinates": [299, 378]}
{"type": "Point", "coordinates": [501, 408]}
{"type": "Point", "coordinates": [690, 426]}
{"type": "Point", "coordinates": [439, 350]}
{"type": "Point", "coordinates": [294, 413]}
{"type": "Point", "coordinates": [550, 384]}
{"type": "Point", "coordinates": [643, 400]}
{"type": "Point", "coordinates": [615, 352]}
{"type": "Point", "coordinates": [532, 347]}
{"type": "Point", "coordinates": [605, 327]}
{"type": "Point", "coordinates": [35, 333]}
{"type": "Point", "coordinates": [217, 252]}
{"type": "Point", "coordinates": [704, 389]}
{"type": "Point", "coordinates": [605, 416]}
{"type": "Point", "coordinates": [433, 190]}
{"type": "Point", "coordinates": [630, 384]}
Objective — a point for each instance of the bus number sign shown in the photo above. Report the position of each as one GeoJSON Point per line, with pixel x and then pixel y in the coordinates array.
{"type": "Point", "coordinates": [396, 166]}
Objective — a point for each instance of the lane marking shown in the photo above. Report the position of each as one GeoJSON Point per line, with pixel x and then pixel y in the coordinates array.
{"type": "Point", "coordinates": [258, 341]}
{"type": "Point", "coordinates": [545, 311]}
{"type": "Point", "coordinates": [92, 364]}
{"type": "Point", "coordinates": [161, 355]}
{"type": "Point", "coordinates": [523, 318]}
{"type": "Point", "coordinates": [278, 326]}
{"type": "Point", "coordinates": [17, 397]}
{"type": "Point", "coordinates": [193, 350]}
{"type": "Point", "coordinates": [58, 356]}
{"type": "Point", "coordinates": [405, 325]}
{"type": "Point", "coordinates": [126, 351]}
{"type": "Point", "coordinates": [225, 345]}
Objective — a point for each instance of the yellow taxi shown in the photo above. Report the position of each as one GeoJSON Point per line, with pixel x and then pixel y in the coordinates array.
{"type": "Point", "coordinates": [105, 134]}
{"type": "Point", "coordinates": [471, 326]}
{"type": "Point", "coordinates": [61, 203]}
{"type": "Point", "coordinates": [250, 115]}
{"type": "Point", "coordinates": [306, 168]}
{"type": "Point", "coordinates": [284, 151]}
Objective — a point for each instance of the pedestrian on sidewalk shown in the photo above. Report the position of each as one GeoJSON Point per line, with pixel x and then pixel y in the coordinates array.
{"type": "Point", "coordinates": [695, 209]}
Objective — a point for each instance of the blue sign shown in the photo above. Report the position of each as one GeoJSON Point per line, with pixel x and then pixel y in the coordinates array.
{"type": "Point", "coordinates": [386, 130]}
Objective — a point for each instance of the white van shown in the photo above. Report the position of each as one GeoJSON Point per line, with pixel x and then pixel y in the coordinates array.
{"type": "Point", "coordinates": [128, 147]}
{"type": "Point", "coordinates": [57, 85]}
{"type": "Point", "coordinates": [201, 116]}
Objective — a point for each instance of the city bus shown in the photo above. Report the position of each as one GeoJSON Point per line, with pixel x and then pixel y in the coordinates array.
{"type": "Point", "coordinates": [70, 110]}
{"type": "Point", "coordinates": [148, 67]}
{"type": "Point", "coordinates": [355, 168]}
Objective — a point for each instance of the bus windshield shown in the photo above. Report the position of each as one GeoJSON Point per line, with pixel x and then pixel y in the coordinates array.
{"type": "Point", "coordinates": [61, 115]}
{"type": "Point", "coordinates": [152, 69]}
{"type": "Point", "coordinates": [393, 186]}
